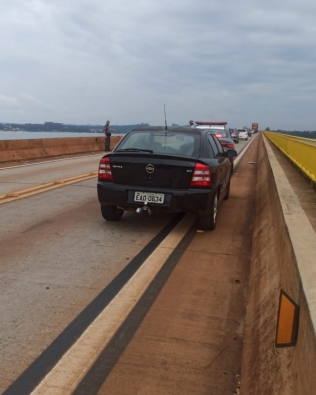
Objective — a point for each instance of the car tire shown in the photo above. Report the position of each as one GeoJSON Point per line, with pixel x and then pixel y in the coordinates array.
{"type": "Point", "coordinates": [111, 213]}
{"type": "Point", "coordinates": [226, 197]}
{"type": "Point", "coordinates": [208, 222]}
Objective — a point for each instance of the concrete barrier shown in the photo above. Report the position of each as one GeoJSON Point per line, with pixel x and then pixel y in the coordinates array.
{"type": "Point", "coordinates": [16, 150]}
{"type": "Point", "coordinates": [283, 257]}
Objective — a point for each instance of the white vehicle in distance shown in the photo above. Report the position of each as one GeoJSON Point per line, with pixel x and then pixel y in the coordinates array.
{"type": "Point", "coordinates": [243, 134]}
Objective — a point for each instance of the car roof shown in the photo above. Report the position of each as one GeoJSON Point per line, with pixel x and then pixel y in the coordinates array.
{"type": "Point", "coordinates": [182, 129]}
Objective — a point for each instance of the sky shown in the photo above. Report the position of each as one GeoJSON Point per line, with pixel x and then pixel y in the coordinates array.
{"type": "Point", "coordinates": [86, 61]}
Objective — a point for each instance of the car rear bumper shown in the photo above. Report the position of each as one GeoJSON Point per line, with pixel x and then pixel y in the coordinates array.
{"type": "Point", "coordinates": [196, 201]}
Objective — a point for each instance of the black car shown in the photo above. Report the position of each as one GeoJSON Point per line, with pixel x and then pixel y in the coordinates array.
{"type": "Point", "coordinates": [224, 138]}
{"type": "Point", "coordinates": [157, 170]}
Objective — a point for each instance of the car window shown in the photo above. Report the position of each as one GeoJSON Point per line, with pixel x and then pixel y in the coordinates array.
{"type": "Point", "coordinates": [175, 143]}
{"type": "Point", "coordinates": [219, 146]}
{"type": "Point", "coordinates": [220, 133]}
{"type": "Point", "coordinates": [213, 145]}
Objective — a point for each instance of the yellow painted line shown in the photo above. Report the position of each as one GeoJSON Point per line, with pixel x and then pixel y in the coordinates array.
{"type": "Point", "coordinates": [9, 197]}
{"type": "Point", "coordinates": [17, 193]}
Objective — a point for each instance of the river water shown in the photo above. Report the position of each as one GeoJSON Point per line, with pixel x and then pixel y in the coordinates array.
{"type": "Point", "coordinates": [20, 135]}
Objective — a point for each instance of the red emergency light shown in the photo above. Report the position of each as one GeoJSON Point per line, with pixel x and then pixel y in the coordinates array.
{"type": "Point", "coordinates": [210, 123]}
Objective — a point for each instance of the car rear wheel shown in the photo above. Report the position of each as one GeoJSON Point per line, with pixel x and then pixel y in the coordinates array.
{"type": "Point", "coordinates": [208, 222]}
{"type": "Point", "coordinates": [111, 213]}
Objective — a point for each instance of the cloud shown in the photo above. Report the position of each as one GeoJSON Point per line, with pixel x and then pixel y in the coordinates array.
{"type": "Point", "coordinates": [85, 61]}
{"type": "Point", "coordinates": [8, 102]}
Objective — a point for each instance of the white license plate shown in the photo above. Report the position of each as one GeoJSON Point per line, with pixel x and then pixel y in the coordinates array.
{"type": "Point", "coordinates": [149, 197]}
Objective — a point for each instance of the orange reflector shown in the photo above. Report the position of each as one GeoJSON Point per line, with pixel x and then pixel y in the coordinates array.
{"type": "Point", "coordinates": [287, 322]}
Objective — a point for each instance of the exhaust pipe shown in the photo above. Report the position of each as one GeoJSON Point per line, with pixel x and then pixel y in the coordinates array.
{"type": "Point", "coordinates": [145, 209]}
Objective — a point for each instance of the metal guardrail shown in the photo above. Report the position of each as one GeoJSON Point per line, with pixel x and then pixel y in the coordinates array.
{"type": "Point", "coordinates": [300, 150]}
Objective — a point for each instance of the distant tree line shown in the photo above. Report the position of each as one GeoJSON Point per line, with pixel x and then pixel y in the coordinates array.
{"type": "Point", "coordinates": [306, 134]}
{"type": "Point", "coordinates": [120, 129]}
{"type": "Point", "coordinates": [61, 127]}
{"type": "Point", "coordinates": [298, 133]}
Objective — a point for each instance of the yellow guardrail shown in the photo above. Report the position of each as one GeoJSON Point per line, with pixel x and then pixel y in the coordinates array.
{"type": "Point", "coordinates": [300, 150]}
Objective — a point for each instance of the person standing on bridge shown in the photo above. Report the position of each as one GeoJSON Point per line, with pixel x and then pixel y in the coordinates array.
{"type": "Point", "coordinates": [107, 132]}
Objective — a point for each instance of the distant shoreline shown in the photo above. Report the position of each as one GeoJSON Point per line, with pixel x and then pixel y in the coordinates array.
{"type": "Point", "coordinates": [44, 134]}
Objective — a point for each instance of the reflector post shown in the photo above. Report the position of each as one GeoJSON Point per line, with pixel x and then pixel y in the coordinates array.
{"type": "Point", "coordinates": [288, 318]}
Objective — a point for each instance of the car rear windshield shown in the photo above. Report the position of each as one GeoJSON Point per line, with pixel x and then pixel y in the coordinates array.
{"type": "Point", "coordinates": [175, 143]}
{"type": "Point", "coordinates": [242, 130]}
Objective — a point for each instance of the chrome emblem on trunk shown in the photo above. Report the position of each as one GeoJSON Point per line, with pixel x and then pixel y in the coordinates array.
{"type": "Point", "coordinates": [150, 168]}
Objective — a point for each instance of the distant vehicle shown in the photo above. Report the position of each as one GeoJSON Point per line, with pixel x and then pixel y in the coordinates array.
{"type": "Point", "coordinates": [234, 135]}
{"type": "Point", "coordinates": [243, 134]}
{"type": "Point", "coordinates": [221, 133]}
{"type": "Point", "coordinates": [224, 137]}
{"type": "Point", "coordinates": [255, 127]}
{"type": "Point", "coordinates": [157, 170]}
{"type": "Point", "coordinates": [220, 130]}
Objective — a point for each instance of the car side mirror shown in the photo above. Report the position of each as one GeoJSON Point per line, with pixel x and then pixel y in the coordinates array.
{"type": "Point", "coordinates": [231, 153]}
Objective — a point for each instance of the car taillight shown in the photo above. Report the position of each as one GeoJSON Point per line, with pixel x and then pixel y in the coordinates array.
{"type": "Point", "coordinates": [105, 172]}
{"type": "Point", "coordinates": [218, 135]}
{"type": "Point", "coordinates": [228, 145]}
{"type": "Point", "coordinates": [202, 176]}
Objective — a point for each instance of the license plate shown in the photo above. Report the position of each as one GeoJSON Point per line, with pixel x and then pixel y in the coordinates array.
{"type": "Point", "coordinates": [149, 197]}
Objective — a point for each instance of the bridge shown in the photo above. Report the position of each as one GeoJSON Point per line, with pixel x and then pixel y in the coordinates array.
{"type": "Point", "coordinates": [154, 305]}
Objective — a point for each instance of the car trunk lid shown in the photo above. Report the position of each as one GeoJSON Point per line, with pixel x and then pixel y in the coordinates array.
{"type": "Point", "coordinates": [152, 170]}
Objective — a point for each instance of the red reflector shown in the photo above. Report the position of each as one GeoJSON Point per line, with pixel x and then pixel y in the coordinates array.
{"type": "Point", "coordinates": [202, 176]}
{"type": "Point", "coordinates": [228, 145]}
{"type": "Point", "coordinates": [105, 172]}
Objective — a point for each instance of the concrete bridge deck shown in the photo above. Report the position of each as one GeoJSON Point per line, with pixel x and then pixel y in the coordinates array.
{"type": "Point", "coordinates": [207, 322]}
